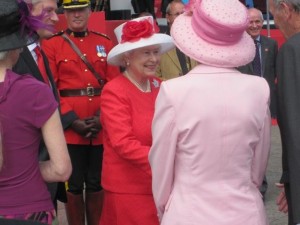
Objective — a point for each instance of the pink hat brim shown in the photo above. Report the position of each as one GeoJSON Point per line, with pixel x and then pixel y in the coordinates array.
{"type": "Point", "coordinates": [192, 45]}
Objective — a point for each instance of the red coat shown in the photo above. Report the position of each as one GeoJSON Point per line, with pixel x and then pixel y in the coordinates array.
{"type": "Point", "coordinates": [70, 72]}
{"type": "Point", "coordinates": [126, 118]}
{"type": "Point", "coordinates": [126, 175]}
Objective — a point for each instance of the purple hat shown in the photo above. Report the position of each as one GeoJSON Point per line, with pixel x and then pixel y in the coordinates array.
{"type": "Point", "coordinates": [18, 27]}
{"type": "Point", "coordinates": [215, 33]}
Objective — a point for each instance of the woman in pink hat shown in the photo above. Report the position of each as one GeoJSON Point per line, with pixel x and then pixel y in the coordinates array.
{"type": "Point", "coordinates": [211, 128]}
{"type": "Point", "coordinates": [127, 108]}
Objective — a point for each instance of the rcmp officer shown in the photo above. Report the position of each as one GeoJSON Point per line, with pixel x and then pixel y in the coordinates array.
{"type": "Point", "coordinates": [79, 75]}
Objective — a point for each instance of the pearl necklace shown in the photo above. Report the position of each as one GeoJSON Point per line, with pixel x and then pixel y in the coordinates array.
{"type": "Point", "coordinates": [137, 84]}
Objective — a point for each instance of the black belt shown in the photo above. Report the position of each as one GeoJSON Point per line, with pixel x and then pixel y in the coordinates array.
{"type": "Point", "coordinates": [89, 91]}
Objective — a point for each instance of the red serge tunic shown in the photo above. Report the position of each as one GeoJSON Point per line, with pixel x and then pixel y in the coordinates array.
{"type": "Point", "coordinates": [126, 115]}
{"type": "Point", "coordinates": [70, 72]}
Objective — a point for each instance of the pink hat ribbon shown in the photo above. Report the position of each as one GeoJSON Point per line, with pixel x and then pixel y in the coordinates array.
{"type": "Point", "coordinates": [214, 32]}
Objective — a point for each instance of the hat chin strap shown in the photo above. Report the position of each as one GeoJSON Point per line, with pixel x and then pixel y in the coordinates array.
{"type": "Point", "coordinates": [75, 6]}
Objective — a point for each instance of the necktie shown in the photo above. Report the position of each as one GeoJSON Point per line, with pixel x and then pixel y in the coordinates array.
{"type": "Point", "coordinates": [182, 61]}
{"type": "Point", "coordinates": [41, 64]}
{"type": "Point", "coordinates": [256, 61]}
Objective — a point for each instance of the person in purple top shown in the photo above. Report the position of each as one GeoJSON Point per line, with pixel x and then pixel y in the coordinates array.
{"type": "Point", "coordinates": [28, 112]}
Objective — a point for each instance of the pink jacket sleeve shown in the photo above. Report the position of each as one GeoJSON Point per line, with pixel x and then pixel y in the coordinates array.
{"type": "Point", "coordinates": [162, 152]}
{"type": "Point", "coordinates": [261, 152]}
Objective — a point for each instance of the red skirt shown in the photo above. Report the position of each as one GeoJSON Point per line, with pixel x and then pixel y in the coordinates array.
{"type": "Point", "coordinates": [128, 209]}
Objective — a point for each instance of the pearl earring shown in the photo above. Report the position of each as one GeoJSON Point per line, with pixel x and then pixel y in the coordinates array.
{"type": "Point", "coordinates": [127, 63]}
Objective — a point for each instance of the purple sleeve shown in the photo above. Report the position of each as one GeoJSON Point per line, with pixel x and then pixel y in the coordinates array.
{"type": "Point", "coordinates": [44, 105]}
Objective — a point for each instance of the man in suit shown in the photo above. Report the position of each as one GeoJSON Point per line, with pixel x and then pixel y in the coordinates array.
{"type": "Point", "coordinates": [287, 18]}
{"type": "Point", "coordinates": [174, 63]}
{"type": "Point", "coordinates": [266, 53]}
{"type": "Point", "coordinates": [28, 63]}
{"type": "Point", "coordinates": [267, 48]}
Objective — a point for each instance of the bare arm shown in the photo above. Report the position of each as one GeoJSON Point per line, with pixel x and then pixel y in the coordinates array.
{"type": "Point", "coordinates": [59, 167]}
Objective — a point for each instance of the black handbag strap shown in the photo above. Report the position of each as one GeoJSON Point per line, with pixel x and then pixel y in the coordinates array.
{"type": "Point", "coordinates": [84, 59]}
{"type": "Point", "coordinates": [182, 61]}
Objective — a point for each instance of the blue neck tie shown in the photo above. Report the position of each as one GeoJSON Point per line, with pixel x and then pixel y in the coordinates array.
{"type": "Point", "coordinates": [256, 61]}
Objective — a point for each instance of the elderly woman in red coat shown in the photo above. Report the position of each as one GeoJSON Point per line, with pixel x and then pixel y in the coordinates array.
{"type": "Point", "coordinates": [127, 107]}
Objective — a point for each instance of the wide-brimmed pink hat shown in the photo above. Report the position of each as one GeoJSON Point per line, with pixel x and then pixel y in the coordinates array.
{"type": "Point", "coordinates": [137, 33]}
{"type": "Point", "coordinates": [214, 33]}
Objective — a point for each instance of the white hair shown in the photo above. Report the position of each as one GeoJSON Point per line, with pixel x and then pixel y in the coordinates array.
{"type": "Point", "coordinates": [257, 10]}
{"type": "Point", "coordinates": [34, 2]}
{"type": "Point", "coordinates": [3, 55]}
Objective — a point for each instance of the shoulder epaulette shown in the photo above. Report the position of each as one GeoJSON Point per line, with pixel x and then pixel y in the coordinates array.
{"type": "Point", "coordinates": [57, 34]}
{"type": "Point", "coordinates": [103, 35]}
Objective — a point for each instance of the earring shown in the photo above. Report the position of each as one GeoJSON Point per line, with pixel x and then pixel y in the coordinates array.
{"type": "Point", "coordinates": [127, 64]}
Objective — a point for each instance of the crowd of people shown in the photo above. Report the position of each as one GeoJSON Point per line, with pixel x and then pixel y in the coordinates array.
{"type": "Point", "coordinates": [162, 128]}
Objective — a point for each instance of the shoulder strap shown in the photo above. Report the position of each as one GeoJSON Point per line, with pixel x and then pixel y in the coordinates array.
{"type": "Point", "coordinates": [182, 61]}
{"type": "Point", "coordinates": [84, 59]}
{"type": "Point", "coordinates": [100, 34]}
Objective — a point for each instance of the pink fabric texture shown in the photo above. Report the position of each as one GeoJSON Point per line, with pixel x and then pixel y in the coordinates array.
{"type": "Point", "coordinates": [211, 142]}
{"type": "Point", "coordinates": [215, 33]}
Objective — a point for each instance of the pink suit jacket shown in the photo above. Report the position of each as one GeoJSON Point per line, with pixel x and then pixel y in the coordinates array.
{"type": "Point", "coordinates": [211, 142]}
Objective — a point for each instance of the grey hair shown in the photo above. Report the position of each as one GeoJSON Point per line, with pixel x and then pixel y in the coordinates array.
{"type": "Point", "coordinates": [260, 12]}
{"type": "Point", "coordinates": [294, 3]}
{"type": "Point", "coordinates": [168, 9]}
{"type": "Point", "coordinates": [3, 55]}
{"type": "Point", "coordinates": [34, 2]}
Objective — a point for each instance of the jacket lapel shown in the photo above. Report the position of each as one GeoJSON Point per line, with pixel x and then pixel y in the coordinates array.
{"type": "Point", "coordinates": [30, 62]}
{"type": "Point", "coordinates": [50, 76]}
{"type": "Point", "coordinates": [264, 52]}
{"type": "Point", "coordinates": [174, 58]}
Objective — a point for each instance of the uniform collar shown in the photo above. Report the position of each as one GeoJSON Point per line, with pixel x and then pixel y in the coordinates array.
{"type": "Point", "coordinates": [77, 34]}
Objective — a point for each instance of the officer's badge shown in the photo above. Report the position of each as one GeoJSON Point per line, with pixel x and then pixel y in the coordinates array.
{"type": "Point", "coordinates": [101, 52]}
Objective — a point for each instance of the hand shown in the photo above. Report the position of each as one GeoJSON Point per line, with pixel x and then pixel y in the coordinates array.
{"type": "Point", "coordinates": [82, 128]}
{"type": "Point", "coordinates": [96, 126]}
{"type": "Point", "coordinates": [281, 199]}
